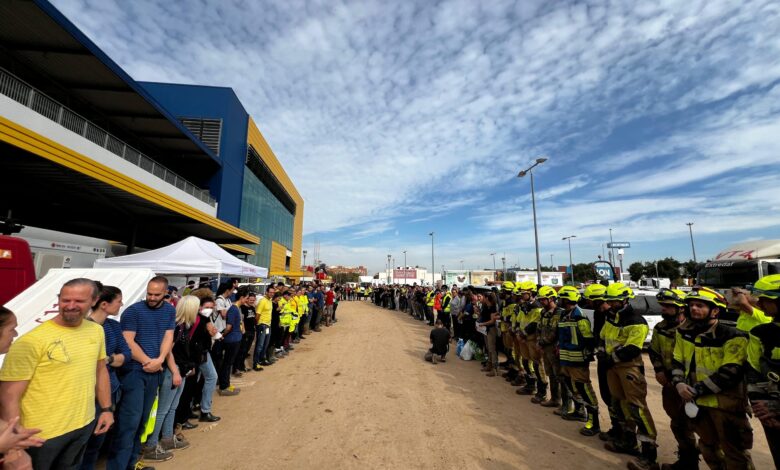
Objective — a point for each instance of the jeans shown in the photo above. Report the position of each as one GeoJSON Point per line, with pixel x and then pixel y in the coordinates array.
{"type": "Point", "coordinates": [63, 452]}
{"type": "Point", "coordinates": [139, 389]}
{"type": "Point", "coordinates": [263, 334]}
{"type": "Point", "coordinates": [210, 383]}
{"type": "Point", "coordinates": [166, 409]}
{"type": "Point", "coordinates": [231, 349]}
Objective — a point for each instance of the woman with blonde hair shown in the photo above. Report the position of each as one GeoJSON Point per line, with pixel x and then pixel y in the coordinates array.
{"type": "Point", "coordinates": [179, 365]}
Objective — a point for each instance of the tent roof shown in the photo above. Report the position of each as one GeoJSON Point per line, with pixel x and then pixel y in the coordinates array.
{"type": "Point", "coordinates": [189, 256]}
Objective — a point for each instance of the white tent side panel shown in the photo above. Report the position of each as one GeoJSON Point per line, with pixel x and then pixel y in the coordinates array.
{"type": "Point", "coordinates": [38, 303]}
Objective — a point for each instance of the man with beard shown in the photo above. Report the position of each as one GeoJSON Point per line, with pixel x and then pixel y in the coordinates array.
{"type": "Point", "coordinates": [61, 361]}
{"type": "Point", "coordinates": [148, 328]}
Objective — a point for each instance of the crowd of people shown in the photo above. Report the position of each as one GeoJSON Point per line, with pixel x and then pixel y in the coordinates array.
{"type": "Point", "coordinates": [84, 385]}
{"type": "Point", "coordinates": [714, 373]}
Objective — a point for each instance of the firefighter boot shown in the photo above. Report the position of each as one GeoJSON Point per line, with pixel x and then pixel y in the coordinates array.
{"type": "Point", "coordinates": [578, 414]}
{"type": "Point", "coordinates": [591, 427]}
{"type": "Point", "coordinates": [555, 395]}
{"type": "Point", "coordinates": [530, 386]}
{"type": "Point", "coordinates": [541, 393]}
{"type": "Point", "coordinates": [648, 457]}
{"type": "Point", "coordinates": [686, 460]}
{"type": "Point", "coordinates": [625, 444]}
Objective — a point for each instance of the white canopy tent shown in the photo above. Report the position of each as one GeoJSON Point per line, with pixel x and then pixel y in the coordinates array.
{"type": "Point", "coordinates": [189, 256]}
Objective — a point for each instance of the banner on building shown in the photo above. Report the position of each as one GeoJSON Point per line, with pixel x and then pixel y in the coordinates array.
{"type": "Point", "coordinates": [457, 278]}
{"type": "Point", "coordinates": [400, 274]}
{"type": "Point", "coordinates": [482, 278]}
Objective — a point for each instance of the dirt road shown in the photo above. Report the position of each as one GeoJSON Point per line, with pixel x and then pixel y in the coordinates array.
{"type": "Point", "coordinates": [358, 395]}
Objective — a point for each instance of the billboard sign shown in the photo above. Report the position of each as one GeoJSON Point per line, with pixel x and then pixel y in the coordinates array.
{"type": "Point", "coordinates": [457, 278]}
{"type": "Point", "coordinates": [619, 245]}
{"type": "Point", "coordinates": [404, 274]}
{"type": "Point", "coordinates": [549, 278]}
{"type": "Point", "coordinates": [604, 270]}
{"type": "Point", "coordinates": [482, 278]}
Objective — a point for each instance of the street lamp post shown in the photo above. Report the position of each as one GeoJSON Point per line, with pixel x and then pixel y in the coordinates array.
{"type": "Point", "coordinates": [433, 264]}
{"type": "Point", "coordinates": [461, 265]}
{"type": "Point", "coordinates": [693, 247]}
{"type": "Point", "coordinates": [571, 263]}
{"type": "Point", "coordinates": [611, 250]}
{"type": "Point", "coordinates": [522, 173]}
{"type": "Point", "coordinates": [552, 265]}
{"type": "Point", "coordinates": [404, 267]}
{"type": "Point", "coordinates": [304, 257]}
{"type": "Point", "coordinates": [388, 269]}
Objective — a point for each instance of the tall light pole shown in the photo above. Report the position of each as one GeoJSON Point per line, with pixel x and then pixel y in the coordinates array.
{"type": "Point", "coordinates": [612, 250]}
{"type": "Point", "coordinates": [522, 173]}
{"type": "Point", "coordinates": [552, 265]}
{"type": "Point", "coordinates": [571, 263]}
{"type": "Point", "coordinates": [494, 260]}
{"type": "Point", "coordinates": [693, 247]}
{"type": "Point", "coordinates": [304, 257]}
{"type": "Point", "coordinates": [388, 269]}
{"type": "Point", "coordinates": [433, 264]}
{"type": "Point", "coordinates": [404, 267]}
{"type": "Point", "coordinates": [461, 265]}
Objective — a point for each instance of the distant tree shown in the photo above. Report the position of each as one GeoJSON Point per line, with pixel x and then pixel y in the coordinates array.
{"type": "Point", "coordinates": [636, 270]}
{"type": "Point", "coordinates": [342, 278]}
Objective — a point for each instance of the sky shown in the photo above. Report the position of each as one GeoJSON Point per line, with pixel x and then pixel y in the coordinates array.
{"type": "Point", "coordinates": [397, 119]}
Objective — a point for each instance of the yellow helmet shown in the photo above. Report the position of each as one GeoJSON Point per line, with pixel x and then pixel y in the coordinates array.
{"type": "Point", "coordinates": [508, 286]}
{"type": "Point", "coordinates": [569, 293]}
{"type": "Point", "coordinates": [527, 286]}
{"type": "Point", "coordinates": [595, 292]}
{"type": "Point", "coordinates": [768, 287]}
{"type": "Point", "coordinates": [547, 292]}
{"type": "Point", "coordinates": [705, 294]}
{"type": "Point", "coordinates": [671, 296]}
{"type": "Point", "coordinates": [619, 291]}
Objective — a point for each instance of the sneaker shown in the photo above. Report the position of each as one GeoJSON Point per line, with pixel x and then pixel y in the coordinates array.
{"type": "Point", "coordinates": [238, 374]}
{"type": "Point", "coordinates": [229, 392]}
{"type": "Point", "coordinates": [156, 454]}
{"type": "Point", "coordinates": [187, 426]}
{"type": "Point", "coordinates": [296, 341]}
{"type": "Point", "coordinates": [257, 367]}
{"type": "Point", "coordinates": [173, 443]}
{"type": "Point", "coordinates": [140, 465]}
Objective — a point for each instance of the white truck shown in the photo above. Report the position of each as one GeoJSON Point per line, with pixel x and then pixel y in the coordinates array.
{"type": "Point", "coordinates": [740, 265]}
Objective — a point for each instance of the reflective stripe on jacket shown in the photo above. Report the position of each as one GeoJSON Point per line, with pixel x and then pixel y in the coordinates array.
{"type": "Point", "coordinates": [575, 339]}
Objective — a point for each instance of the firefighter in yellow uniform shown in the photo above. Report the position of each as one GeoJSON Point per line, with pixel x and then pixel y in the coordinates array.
{"type": "Point", "coordinates": [661, 354]}
{"type": "Point", "coordinates": [303, 306]}
{"type": "Point", "coordinates": [763, 357]}
{"type": "Point", "coordinates": [708, 373]}
{"type": "Point", "coordinates": [446, 308]}
{"type": "Point", "coordinates": [507, 314]}
{"type": "Point", "coordinates": [286, 315]}
{"type": "Point", "coordinates": [547, 347]}
{"type": "Point", "coordinates": [518, 373]}
{"type": "Point", "coordinates": [529, 313]}
{"type": "Point", "coordinates": [576, 345]}
{"type": "Point", "coordinates": [623, 337]}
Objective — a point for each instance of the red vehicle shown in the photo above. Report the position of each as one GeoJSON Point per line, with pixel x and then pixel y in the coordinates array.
{"type": "Point", "coordinates": [17, 271]}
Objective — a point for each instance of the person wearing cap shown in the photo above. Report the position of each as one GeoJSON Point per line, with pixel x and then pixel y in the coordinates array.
{"type": "Point", "coordinates": [446, 307]}
{"type": "Point", "coordinates": [661, 354]}
{"type": "Point", "coordinates": [708, 373]}
{"type": "Point", "coordinates": [750, 315]}
{"type": "Point", "coordinates": [576, 345]}
{"type": "Point", "coordinates": [529, 312]}
{"type": "Point", "coordinates": [547, 347]}
{"type": "Point", "coordinates": [430, 299]}
{"type": "Point", "coordinates": [623, 337]}
{"type": "Point", "coordinates": [521, 364]}
{"type": "Point", "coordinates": [763, 358]}
{"type": "Point", "coordinates": [507, 312]}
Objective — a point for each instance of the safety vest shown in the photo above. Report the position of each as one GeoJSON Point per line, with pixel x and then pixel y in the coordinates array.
{"type": "Point", "coordinates": [763, 357]}
{"type": "Point", "coordinates": [429, 299]}
{"type": "Point", "coordinates": [699, 356]}
{"type": "Point", "coordinates": [528, 316]}
{"type": "Point", "coordinates": [445, 302]}
{"type": "Point", "coordinates": [286, 317]}
{"type": "Point", "coordinates": [303, 304]}
{"type": "Point", "coordinates": [575, 339]}
{"type": "Point", "coordinates": [507, 317]}
{"type": "Point", "coordinates": [626, 329]}
{"type": "Point", "coordinates": [661, 350]}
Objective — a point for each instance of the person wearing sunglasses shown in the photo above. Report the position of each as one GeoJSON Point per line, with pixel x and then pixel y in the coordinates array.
{"type": "Point", "coordinates": [708, 373]}
{"type": "Point", "coordinates": [763, 357]}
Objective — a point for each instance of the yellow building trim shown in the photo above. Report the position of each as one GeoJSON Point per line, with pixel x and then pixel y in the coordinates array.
{"type": "Point", "coordinates": [286, 274]}
{"type": "Point", "coordinates": [20, 136]}
{"type": "Point", "coordinates": [238, 248]}
{"type": "Point", "coordinates": [256, 140]}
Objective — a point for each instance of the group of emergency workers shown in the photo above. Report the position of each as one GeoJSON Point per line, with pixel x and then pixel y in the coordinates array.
{"type": "Point", "coordinates": [714, 373]}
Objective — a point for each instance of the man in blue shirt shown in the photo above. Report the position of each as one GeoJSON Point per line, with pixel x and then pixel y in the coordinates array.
{"type": "Point", "coordinates": [231, 342]}
{"type": "Point", "coordinates": [148, 328]}
{"type": "Point", "coordinates": [319, 297]}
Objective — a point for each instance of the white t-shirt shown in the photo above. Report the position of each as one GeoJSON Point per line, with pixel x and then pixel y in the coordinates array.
{"type": "Point", "coordinates": [222, 305]}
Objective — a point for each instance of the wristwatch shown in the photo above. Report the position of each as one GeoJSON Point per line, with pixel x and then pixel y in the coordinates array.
{"type": "Point", "coordinates": [110, 359]}
{"type": "Point", "coordinates": [108, 409]}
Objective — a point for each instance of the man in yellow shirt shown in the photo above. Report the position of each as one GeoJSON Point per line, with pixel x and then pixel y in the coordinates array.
{"type": "Point", "coordinates": [51, 377]}
{"type": "Point", "coordinates": [263, 330]}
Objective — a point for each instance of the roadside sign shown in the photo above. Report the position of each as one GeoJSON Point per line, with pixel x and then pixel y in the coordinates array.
{"type": "Point", "coordinates": [604, 270]}
{"type": "Point", "coordinates": [619, 245]}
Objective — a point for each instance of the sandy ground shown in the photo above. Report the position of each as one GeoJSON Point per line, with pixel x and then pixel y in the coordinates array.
{"type": "Point", "coordinates": [359, 395]}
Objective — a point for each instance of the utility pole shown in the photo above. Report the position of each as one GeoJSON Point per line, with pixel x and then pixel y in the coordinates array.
{"type": "Point", "coordinates": [404, 267]}
{"type": "Point", "coordinates": [433, 264]}
{"type": "Point", "coordinates": [522, 173]}
{"type": "Point", "coordinates": [571, 263]}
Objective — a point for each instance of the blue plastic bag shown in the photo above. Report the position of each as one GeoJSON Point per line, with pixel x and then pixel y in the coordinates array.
{"type": "Point", "coordinates": [459, 347]}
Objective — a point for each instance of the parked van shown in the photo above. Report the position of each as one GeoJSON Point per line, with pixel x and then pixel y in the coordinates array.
{"type": "Point", "coordinates": [17, 271]}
